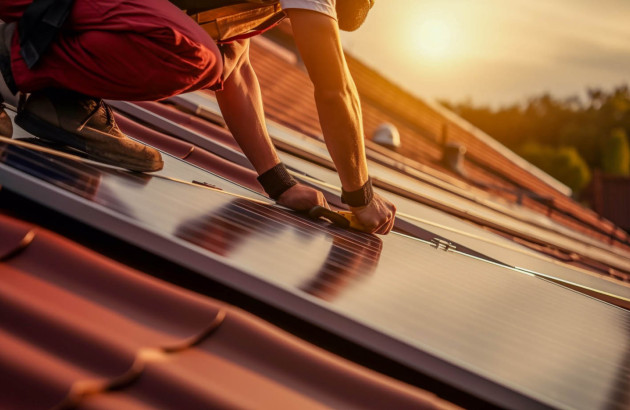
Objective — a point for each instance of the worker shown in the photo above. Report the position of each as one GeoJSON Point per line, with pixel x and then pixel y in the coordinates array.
{"type": "Point", "coordinates": [69, 55]}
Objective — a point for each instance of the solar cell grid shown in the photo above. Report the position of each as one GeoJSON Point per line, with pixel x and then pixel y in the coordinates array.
{"type": "Point", "coordinates": [507, 336]}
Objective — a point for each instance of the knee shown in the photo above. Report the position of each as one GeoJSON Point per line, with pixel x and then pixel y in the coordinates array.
{"type": "Point", "coordinates": [185, 66]}
{"type": "Point", "coordinates": [206, 66]}
{"type": "Point", "coordinates": [189, 66]}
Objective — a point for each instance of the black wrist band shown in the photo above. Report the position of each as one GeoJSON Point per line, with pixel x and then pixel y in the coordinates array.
{"type": "Point", "coordinates": [360, 197]}
{"type": "Point", "coordinates": [276, 180]}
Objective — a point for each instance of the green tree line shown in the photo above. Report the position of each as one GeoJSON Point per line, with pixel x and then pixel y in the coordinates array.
{"type": "Point", "coordinates": [566, 137]}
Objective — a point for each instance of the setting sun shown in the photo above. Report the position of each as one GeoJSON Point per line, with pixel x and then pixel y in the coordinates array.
{"type": "Point", "coordinates": [434, 39]}
{"type": "Point", "coordinates": [494, 51]}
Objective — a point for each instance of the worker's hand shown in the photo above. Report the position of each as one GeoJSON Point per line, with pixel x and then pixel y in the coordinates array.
{"type": "Point", "coordinates": [377, 216]}
{"type": "Point", "coordinates": [302, 198]}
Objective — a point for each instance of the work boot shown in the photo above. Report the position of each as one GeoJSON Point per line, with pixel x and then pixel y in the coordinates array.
{"type": "Point", "coordinates": [87, 124]}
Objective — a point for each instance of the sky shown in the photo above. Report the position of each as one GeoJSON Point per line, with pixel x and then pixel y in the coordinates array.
{"type": "Point", "coordinates": [496, 52]}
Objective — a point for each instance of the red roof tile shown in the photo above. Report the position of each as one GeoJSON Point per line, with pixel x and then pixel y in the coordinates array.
{"type": "Point", "coordinates": [193, 154]}
{"type": "Point", "coordinates": [192, 122]}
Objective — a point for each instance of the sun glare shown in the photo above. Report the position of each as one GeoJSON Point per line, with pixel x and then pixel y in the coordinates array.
{"type": "Point", "coordinates": [434, 39]}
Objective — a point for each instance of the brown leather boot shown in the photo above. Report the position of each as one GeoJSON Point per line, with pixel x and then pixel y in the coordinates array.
{"type": "Point", "coordinates": [87, 124]}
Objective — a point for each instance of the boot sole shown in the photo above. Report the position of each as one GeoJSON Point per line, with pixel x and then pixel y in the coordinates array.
{"type": "Point", "coordinates": [46, 131]}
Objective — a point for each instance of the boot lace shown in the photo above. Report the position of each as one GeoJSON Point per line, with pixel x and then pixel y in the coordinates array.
{"type": "Point", "coordinates": [109, 115]}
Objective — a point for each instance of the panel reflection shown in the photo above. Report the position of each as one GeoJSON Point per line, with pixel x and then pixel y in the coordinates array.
{"type": "Point", "coordinates": [225, 232]}
{"type": "Point", "coordinates": [73, 176]}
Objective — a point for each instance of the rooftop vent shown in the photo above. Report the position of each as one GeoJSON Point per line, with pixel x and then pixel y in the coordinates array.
{"type": "Point", "coordinates": [387, 135]}
{"type": "Point", "coordinates": [453, 157]}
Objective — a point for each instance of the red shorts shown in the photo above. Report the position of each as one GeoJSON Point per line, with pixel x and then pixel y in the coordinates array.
{"type": "Point", "coordinates": [120, 49]}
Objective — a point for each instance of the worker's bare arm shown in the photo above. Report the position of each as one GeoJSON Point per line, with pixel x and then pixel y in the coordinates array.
{"type": "Point", "coordinates": [317, 37]}
{"type": "Point", "coordinates": [241, 106]}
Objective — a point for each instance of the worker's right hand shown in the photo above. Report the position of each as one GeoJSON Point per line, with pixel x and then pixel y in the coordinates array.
{"type": "Point", "coordinates": [377, 217]}
{"type": "Point", "coordinates": [302, 198]}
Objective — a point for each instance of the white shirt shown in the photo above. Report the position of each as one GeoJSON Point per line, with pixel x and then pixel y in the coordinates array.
{"type": "Point", "coordinates": [326, 7]}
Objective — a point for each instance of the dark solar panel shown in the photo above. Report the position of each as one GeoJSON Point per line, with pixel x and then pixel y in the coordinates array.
{"type": "Point", "coordinates": [424, 220]}
{"type": "Point", "coordinates": [484, 243]}
{"type": "Point", "coordinates": [511, 338]}
{"type": "Point", "coordinates": [516, 219]}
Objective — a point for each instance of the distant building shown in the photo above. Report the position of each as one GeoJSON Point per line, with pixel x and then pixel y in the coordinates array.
{"type": "Point", "coordinates": [609, 196]}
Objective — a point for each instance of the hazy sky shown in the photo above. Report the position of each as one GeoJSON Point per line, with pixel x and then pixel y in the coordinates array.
{"type": "Point", "coordinates": [496, 51]}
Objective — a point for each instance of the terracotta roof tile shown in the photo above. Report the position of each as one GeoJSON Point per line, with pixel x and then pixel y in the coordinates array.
{"type": "Point", "coordinates": [193, 154]}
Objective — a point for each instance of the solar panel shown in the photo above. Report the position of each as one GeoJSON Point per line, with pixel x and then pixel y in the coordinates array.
{"type": "Point", "coordinates": [484, 243]}
{"type": "Point", "coordinates": [434, 223]}
{"type": "Point", "coordinates": [517, 219]}
{"type": "Point", "coordinates": [508, 337]}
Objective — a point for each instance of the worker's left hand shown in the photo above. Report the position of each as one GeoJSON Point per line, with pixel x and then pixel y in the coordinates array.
{"type": "Point", "coordinates": [302, 198]}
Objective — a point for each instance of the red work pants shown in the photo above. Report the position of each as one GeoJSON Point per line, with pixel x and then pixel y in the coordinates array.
{"type": "Point", "coordinates": [120, 49]}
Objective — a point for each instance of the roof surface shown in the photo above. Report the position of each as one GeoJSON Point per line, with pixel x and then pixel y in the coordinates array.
{"type": "Point", "coordinates": [518, 301]}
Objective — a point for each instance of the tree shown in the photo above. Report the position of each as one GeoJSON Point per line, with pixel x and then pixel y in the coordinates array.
{"type": "Point", "coordinates": [564, 163]}
{"type": "Point", "coordinates": [596, 129]}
